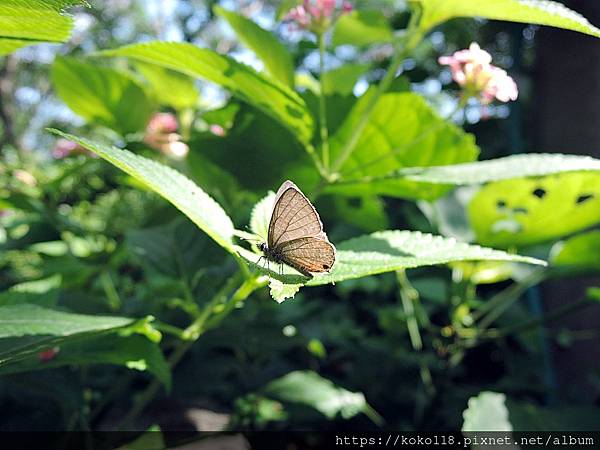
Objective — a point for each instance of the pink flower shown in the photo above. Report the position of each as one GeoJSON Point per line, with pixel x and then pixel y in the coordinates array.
{"type": "Point", "coordinates": [473, 70]}
{"type": "Point", "coordinates": [64, 148]}
{"type": "Point", "coordinates": [317, 15]}
{"type": "Point", "coordinates": [217, 130]}
{"type": "Point", "coordinates": [161, 135]}
{"type": "Point", "coordinates": [162, 123]}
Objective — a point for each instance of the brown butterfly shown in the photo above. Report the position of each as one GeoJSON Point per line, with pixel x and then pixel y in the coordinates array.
{"type": "Point", "coordinates": [296, 235]}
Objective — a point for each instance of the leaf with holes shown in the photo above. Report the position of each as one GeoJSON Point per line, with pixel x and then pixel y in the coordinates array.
{"type": "Point", "coordinates": [102, 95]}
{"type": "Point", "coordinates": [402, 131]}
{"type": "Point", "coordinates": [264, 93]}
{"type": "Point", "coordinates": [540, 12]}
{"type": "Point", "coordinates": [30, 22]}
{"type": "Point", "coordinates": [532, 211]}
{"type": "Point", "coordinates": [170, 184]}
{"type": "Point", "coordinates": [276, 58]}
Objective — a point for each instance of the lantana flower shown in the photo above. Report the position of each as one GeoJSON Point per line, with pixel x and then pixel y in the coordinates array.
{"type": "Point", "coordinates": [317, 15]}
{"type": "Point", "coordinates": [161, 134]}
{"type": "Point", "coordinates": [473, 70]}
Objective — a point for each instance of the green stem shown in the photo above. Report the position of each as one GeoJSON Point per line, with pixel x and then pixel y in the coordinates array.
{"type": "Point", "coordinates": [322, 105]}
{"type": "Point", "coordinates": [190, 336]}
{"type": "Point", "coordinates": [412, 39]}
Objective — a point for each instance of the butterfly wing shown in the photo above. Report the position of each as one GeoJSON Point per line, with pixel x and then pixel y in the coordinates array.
{"type": "Point", "coordinates": [293, 216]}
{"type": "Point", "coordinates": [309, 254]}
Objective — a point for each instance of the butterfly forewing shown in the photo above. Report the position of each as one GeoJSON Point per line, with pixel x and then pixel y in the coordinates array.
{"type": "Point", "coordinates": [293, 216]}
{"type": "Point", "coordinates": [309, 254]}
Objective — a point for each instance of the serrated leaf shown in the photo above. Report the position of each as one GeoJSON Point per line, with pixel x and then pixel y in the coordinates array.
{"type": "Point", "coordinates": [261, 215]}
{"type": "Point", "coordinates": [539, 12]}
{"type": "Point", "coordinates": [522, 212]}
{"type": "Point", "coordinates": [170, 184]}
{"type": "Point", "coordinates": [580, 252]}
{"type": "Point", "coordinates": [101, 95]}
{"type": "Point", "coordinates": [30, 22]}
{"type": "Point", "coordinates": [486, 412]}
{"type": "Point", "coordinates": [168, 87]}
{"type": "Point", "coordinates": [270, 96]}
{"type": "Point", "coordinates": [135, 352]}
{"type": "Point", "coordinates": [510, 167]}
{"type": "Point", "coordinates": [276, 58]}
{"type": "Point", "coordinates": [361, 28]}
{"type": "Point", "coordinates": [281, 291]}
{"type": "Point", "coordinates": [402, 131]}
{"type": "Point", "coordinates": [310, 389]}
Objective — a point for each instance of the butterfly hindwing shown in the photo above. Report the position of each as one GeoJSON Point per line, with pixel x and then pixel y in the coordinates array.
{"type": "Point", "coordinates": [309, 254]}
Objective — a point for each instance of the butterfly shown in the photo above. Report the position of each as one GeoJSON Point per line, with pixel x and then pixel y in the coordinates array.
{"type": "Point", "coordinates": [296, 235]}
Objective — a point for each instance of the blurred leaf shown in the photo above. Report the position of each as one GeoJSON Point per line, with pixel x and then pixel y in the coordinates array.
{"type": "Point", "coordinates": [273, 98]}
{"type": "Point", "coordinates": [541, 12]}
{"type": "Point", "coordinates": [151, 439]}
{"type": "Point", "coordinates": [486, 412]}
{"type": "Point", "coordinates": [170, 184]}
{"type": "Point", "coordinates": [276, 58]}
{"type": "Point", "coordinates": [402, 131]}
{"type": "Point", "coordinates": [101, 95]}
{"type": "Point", "coordinates": [362, 28]}
{"type": "Point", "coordinates": [366, 212]}
{"type": "Point", "coordinates": [510, 167]}
{"type": "Point", "coordinates": [561, 417]}
{"type": "Point", "coordinates": [261, 215]}
{"type": "Point", "coordinates": [135, 352]}
{"type": "Point", "coordinates": [169, 88]}
{"type": "Point", "coordinates": [284, 7]}
{"type": "Point", "coordinates": [43, 292]}
{"type": "Point", "coordinates": [532, 211]}
{"type": "Point", "coordinates": [342, 79]}
{"type": "Point", "coordinates": [381, 252]}
{"type": "Point", "coordinates": [310, 389]}
{"type": "Point", "coordinates": [30, 22]}
{"type": "Point", "coordinates": [581, 251]}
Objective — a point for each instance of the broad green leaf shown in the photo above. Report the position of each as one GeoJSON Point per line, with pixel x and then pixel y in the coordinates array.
{"type": "Point", "coordinates": [510, 167]}
{"type": "Point", "coordinates": [43, 292]}
{"type": "Point", "coordinates": [486, 412]}
{"type": "Point", "coordinates": [270, 96]}
{"type": "Point", "coordinates": [310, 389]}
{"type": "Point", "coordinates": [169, 87]}
{"type": "Point", "coordinates": [30, 22]}
{"type": "Point", "coordinates": [361, 28]}
{"type": "Point", "coordinates": [541, 12]}
{"type": "Point", "coordinates": [135, 352]}
{"type": "Point", "coordinates": [170, 184]}
{"type": "Point", "coordinates": [580, 252]}
{"type": "Point", "coordinates": [101, 95]}
{"type": "Point", "coordinates": [402, 131]}
{"type": "Point", "coordinates": [261, 215]}
{"type": "Point", "coordinates": [343, 79]}
{"type": "Point", "coordinates": [380, 252]}
{"type": "Point", "coordinates": [276, 58]}
{"type": "Point", "coordinates": [522, 212]}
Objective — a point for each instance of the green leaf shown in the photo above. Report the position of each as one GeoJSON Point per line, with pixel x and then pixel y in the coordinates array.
{"type": "Point", "coordinates": [135, 352]}
{"type": "Point", "coordinates": [30, 22]}
{"type": "Point", "coordinates": [539, 12]}
{"type": "Point", "coordinates": [43, 292]}
{"type": "Point", "coordinates": [284, 8]}
{"type": "Point", "coordinates": [151, 439]}
{"type": "Point", "coordinates": [510, 167]}
{"type": "Point", "coordinates": [310, 389]}
{"type": "Point", "coordinates": [402, 131]}
{"type": "Point", "coordinates": [168, 87]}
{"type": "Point", "coordinates": [101, 95]}
{"type": "Point", "coordinates": [362, 28]}
{"type": "Point", "coordinates": [270, 96]}
{"type": "Point", "coordinates": [526, 212]}
{"type": "Point", "coordinates": [486, 412]}
{"type": "Point", "coordinates": [579, 252]}
{"type": "Point", "coordinates": [170, 184]}
{"type": "Point", "coordinates": [343, 79]}
{"type": "Point", "coordinates": [261, 215]}
{"type": "Point", "coordinates": [380, 252]}
{"type": "Point", "coordinates": [276, 58]}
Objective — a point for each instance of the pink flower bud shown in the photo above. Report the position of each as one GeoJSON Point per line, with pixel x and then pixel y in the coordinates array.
{"type": "Point", "coordinates": [317, 15]}
{"type": "Point", "coordinates": [64, 148]}
{"type": "Point", "coordinates": [162, 123]}
{"type": "Point", "coordinates": [472, 70]}
{"type": "Point", "coordinates": [217, 130]}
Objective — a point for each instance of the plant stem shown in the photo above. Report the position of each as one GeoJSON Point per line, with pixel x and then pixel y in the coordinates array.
{"type": "Point", "coordinates": [191, 335]}
{"type": "Point", "coordinates": [322, 105]}
{"type": "Point", "coordinates": [412, 39]}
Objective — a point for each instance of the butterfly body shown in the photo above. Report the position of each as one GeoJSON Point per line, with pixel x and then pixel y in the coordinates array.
{"type": "Point", "coordinates": [296, 235]}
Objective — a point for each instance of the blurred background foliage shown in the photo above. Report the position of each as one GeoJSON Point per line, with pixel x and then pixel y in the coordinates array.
{"type": "Point", "coordinates": [77, 233]}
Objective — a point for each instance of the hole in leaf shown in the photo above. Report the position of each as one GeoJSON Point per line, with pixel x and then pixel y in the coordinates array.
{"type": "Point", "coordinates": [520, 210]}
{"type": "Point", "coordinates": [584, 198]}
{"type": "Point", "coordinates": [500, 204]}
{"type": "Point", "coordinates": [539, 193]}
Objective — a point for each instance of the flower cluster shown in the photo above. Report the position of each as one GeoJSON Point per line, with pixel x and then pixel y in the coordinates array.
{"type": "Point", "coordinates": [473, 70]}
{"type": "Point", "coordinates": [161, 134]}
{"type": "Point", "coordinates": [317, 15]}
